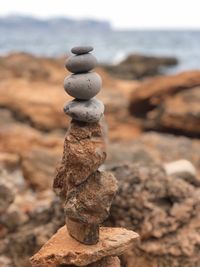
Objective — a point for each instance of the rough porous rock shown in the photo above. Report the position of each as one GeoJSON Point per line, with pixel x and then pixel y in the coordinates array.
{"type": "Point", "coordinates": [27, 238]}
{"type": "Point", "coordinates": [169, 103]}
{"type": "Point", "coordinates": [87, 111]}
{"type": "Point", "coordinates": [84, 151]}
{"type": "Point", "coordinates": [140, 66]}
{"type": "Point", "coordinates": [90, 201]}
{"type": "Point", "coordinates": [81, 63]}
{"type": "Point", "coordinates": [83, 86]}
{"type": "Point", "coordinates": [79, 50]}
{"type": "Point", "coordinates": [62, 249]}
{"type": "Point", "coordinates": [149, 147]}
{"type": "Point", "coordinates": [163, 209]}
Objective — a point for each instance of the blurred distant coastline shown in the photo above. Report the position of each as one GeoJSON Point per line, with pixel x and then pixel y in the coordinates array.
{"type": "Point", "coordinates": [56, 24]}
{"type": "Point", "coordinates": [54, 37]}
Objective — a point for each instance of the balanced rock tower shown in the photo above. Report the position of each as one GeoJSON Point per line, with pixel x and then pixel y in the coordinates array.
{"type": "Point", "coordinates": [85, 191]}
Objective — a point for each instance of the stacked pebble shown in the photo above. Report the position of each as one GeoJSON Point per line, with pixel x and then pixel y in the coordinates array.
{"type": "Point", "coordinates": [83, 85]}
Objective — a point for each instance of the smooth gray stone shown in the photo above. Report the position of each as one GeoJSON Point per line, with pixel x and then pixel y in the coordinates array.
{"type": "Point", "coordinates": [83, 86]}
{"type": "Point", "coordinates": [79, 50]}
{"type": "Point", "coordinates": [87, 111]}
{"type": "Point", "coordinates": [81, 63]}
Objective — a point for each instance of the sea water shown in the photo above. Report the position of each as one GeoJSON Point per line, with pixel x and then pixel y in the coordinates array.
{"type": "Point", "coordinates": [110, 46]}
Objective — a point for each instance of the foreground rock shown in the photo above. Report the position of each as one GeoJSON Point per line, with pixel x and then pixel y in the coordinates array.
{"type": "Point", "coordinates": [139, 66]}
{"type": "Point", "coordinates": [152, 149]}
{"type": "Point", "coordinates": [164, 209]}
{"type": "Point", "coordinates": [62, 249]}
{"type": "Point", "coordinates": [169, 103]}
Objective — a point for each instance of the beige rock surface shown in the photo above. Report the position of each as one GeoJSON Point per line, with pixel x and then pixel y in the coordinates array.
{"type": "Point", "coordinates": [169, 103]}
{"type": "Point", "coordinates": [62, 249]}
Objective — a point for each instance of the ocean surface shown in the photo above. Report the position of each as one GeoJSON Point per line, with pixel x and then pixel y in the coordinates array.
{"type": "Point", "coordinates": [110, 46]}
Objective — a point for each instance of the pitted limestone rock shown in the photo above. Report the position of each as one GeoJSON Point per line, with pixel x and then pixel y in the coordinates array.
{"type": "Point", "coordinates": [63, 250]}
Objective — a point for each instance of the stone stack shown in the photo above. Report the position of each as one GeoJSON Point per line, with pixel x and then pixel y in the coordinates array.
{"type": "Point", "coordinates": [83, 85]}
{"type": "Point", "coordinates": [86, 192]}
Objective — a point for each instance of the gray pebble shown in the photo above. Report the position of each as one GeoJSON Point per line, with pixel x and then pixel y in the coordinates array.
{"type": "Point", "coordinates": [81, 63]}
{"type": "Point", "coordinates": [79, 50]}
{"type": "Point", "coordinates": [83, 86]}
{"type": "Point", "coordinates": [87, 111]}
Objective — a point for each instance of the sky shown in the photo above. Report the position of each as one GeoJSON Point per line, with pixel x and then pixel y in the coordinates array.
{"type": "Point", "coordinates": [123, 14]}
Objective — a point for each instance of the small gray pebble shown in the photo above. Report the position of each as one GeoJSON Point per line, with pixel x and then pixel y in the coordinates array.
{"type": "Point", "coordinates": [83, 86]}
{"type": "Point", "coordinates": [87, 111]}
{"type": "Point", "coordinates": [79, 50]}
{"type": "Point", "coordinates": [81, 63]}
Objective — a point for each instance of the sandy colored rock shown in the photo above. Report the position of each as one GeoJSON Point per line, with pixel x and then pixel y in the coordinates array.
{"type": "Point", "coordinates": [90, 201]}
{"type": "Point", "coordinates": [34, 150]}
{"type": "Point", "coordinates": [169, 103]}
{"type": "Point", "coordinates": [84, 152]}
{"type": "Point", "coordinates": [179, 113]}
{"type": "Point", "coordinates": [34, 78]}
{"type": "Point", "coordinates": [62, 249]}
{"type": "Point", "coordinates": [88, 204]}
{"type": "Point", "coordinates": [165, 85]}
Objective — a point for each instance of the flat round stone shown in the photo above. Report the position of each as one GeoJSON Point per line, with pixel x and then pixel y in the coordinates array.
{"type": "Point", "coordinates": [79, 50]}
{"type": "Point", "coordinates": [81, 63]}
{"type": "Point", "coordinates": [83, 86]}
{"type": "Point", "coordinates": [87, 111]}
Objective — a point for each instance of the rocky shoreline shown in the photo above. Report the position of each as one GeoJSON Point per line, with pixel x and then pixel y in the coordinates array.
{"type": "Point", "coordinates": [136, 66]}
{"type": "Point", "coordinates": [149, 123]}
